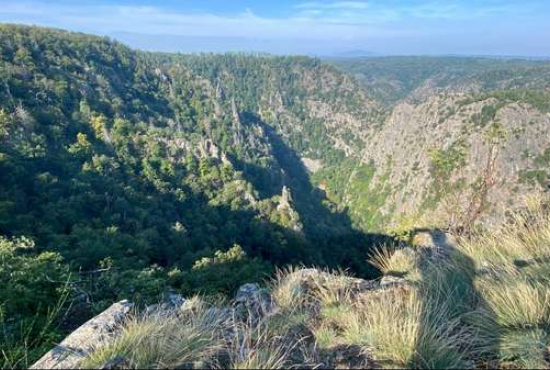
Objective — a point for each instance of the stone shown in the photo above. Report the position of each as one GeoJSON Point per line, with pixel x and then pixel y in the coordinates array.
{"type": "Point", "coordinates": [253, 302]}
{"type": "Point", "coordinates": [247, 291]}
{"type": "Point", "coordinates": [390, 281]}
{"type": "Point", "coordinates": [286, 198]}
{"type": "Point", "coordinates": [175, 300]}
{"type": "Point", "coordinates": [96, 332]}
{"type": "Point", "coordinates": [172, 305]}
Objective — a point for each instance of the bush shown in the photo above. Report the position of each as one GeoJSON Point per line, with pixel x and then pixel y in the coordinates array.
{"type": "Point", "coordinates": [32, 296]}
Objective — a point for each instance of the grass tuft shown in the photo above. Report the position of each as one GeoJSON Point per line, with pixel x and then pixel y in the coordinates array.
{"type": "Point", "coordinates": [483, 303]}
{"type": "Point", "coordinates": [392, 261]}
{"type": "Point", "coordinates": [158, 340]}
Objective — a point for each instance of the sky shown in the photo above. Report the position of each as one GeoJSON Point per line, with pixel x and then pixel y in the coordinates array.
{"type": "Point", "coordinates": [318, 27]}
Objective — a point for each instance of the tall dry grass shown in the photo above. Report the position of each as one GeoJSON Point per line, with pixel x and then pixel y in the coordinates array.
{"type": "Point", "coordinates": [485, 303]}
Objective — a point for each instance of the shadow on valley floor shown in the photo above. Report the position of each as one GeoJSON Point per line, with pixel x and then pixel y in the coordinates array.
{"type": "Point", "coordinates": [329, 231]}
{"type": "Point", "coordinates": [122, 216]}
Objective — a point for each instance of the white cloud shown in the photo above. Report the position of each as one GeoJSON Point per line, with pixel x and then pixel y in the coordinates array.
{"type": "Point", "coordinates": [457, 10]}
{"type": "Point", "coordinates": [106, 19]}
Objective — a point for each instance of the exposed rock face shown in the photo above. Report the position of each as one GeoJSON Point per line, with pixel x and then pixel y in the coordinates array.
{"type": "Point", "coordinates": [286, 199]}
{"type": "Point", "coordinates": [413, 131]}
{"type": "Point", "coordinates": [312, 165]}
{"type": "Point", "coordinates": [286, 207]}
{"type": "Point", "coordinates": [253, 301]}
{"type": "Point", "coordinates": [96, 332]}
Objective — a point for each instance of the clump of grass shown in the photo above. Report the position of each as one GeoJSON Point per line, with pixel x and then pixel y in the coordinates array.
{"type": "Point", "coordinates": [297, 289]}
{"type": "Point", "coordinates": [524, 239]}
{"type": "Point", "coordinates": [278, 341]}
{"type": "Point", "coordinates": [407, 331]}
{"type": "Point", "coordinates": [524, 349]}
{"type": "Point", "coordinates": [288, 288]}
{"type": "Point", "coordinates": [335, 314]}
{"type": "Point", "coordinates": [511, 321]}
{"type": "Point", "coordinates": [161, 340]}
{"type": "Point", "coordinates": [517, 302]}
{"type": "Point", "coordinates": [449, 284]}
{"type": "Point", "coordinates": [257, 348]}
{"type": "Point", "coordinates": [334, 298]}
{"type": "Point", "coordinates": [354, 331]}
{"type": "Point", "coordinates": [326, 337]}
{"type": "Point", "coordinates": [289, 326]}
{"type": "Point", "coordinates": [392, 261]}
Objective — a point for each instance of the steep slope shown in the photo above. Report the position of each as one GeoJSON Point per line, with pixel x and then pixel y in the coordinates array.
{"type": "Point", "coordinates": [463, 140]}
{"type": "Point", "coordinates": [130, 175]}
{"type": "Point", "coordinates": [160, 159]}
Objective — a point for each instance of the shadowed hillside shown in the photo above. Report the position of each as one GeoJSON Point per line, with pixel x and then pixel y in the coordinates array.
{"type": "Point", "coordinates": [129, 175]}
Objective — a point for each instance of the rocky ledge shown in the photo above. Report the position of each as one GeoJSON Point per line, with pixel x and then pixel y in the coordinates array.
{"type": "Point", "coordinates": [252, 305]}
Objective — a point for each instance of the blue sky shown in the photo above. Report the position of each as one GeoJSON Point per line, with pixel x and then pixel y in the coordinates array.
{"type": "Point", "coordinates": [405, 27]}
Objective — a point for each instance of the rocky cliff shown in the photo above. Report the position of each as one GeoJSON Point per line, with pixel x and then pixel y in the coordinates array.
{"type": "Point", "coordinates": [464, 139]}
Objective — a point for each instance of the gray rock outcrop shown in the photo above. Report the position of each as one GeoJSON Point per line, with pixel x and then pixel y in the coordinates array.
{"type": "Point", "coordinates": [253, 302]}
{"type": "Point", "coordinates": [97, 332]}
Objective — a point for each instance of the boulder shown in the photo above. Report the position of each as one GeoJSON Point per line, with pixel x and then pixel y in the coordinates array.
{"type": "Point", "coordinates": [253, 302]}
{"type": "Point", "coordinates": [171, 305]}
{"type": "Point", "coordinates": [97, 332]}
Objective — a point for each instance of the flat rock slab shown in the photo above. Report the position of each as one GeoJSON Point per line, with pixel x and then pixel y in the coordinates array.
{"type": "Point", "coordinates": [96, 332]}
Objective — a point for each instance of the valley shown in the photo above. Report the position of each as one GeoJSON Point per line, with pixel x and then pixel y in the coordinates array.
{"type": "Point", "coordinates": [127, 174]}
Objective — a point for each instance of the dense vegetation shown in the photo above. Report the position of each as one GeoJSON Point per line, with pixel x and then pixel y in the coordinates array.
{"type": "Point", "coordinates": [480, 303]}
{"type": "Point", "coordinates": [125, 175]}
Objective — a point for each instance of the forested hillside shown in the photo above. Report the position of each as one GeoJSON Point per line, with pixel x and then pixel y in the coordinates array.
{"type": "Point", "coordinates": [126, 175]}
{"type": "Point", "coordinates": [391, 79]}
